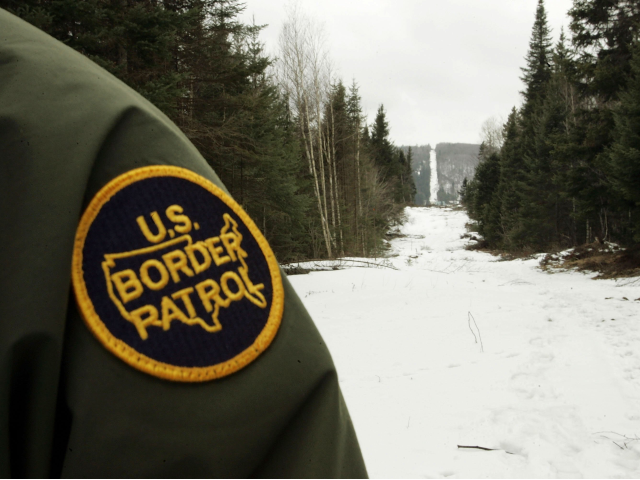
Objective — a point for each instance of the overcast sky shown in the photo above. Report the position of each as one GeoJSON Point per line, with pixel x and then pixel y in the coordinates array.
{"type": "Point", "coordinates": [440, 67]}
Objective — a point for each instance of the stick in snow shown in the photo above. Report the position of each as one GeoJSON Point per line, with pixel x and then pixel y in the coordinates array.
{"type": "Point", "coordinates": [470, 317]}
{"type": "Point", "coordinates": [483, 448]}
{"type": "Point", "coordinates": [479, 448]}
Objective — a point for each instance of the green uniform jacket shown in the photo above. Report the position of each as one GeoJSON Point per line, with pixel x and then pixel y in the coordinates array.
{"type": "Point", "coordinates": [68, 407]}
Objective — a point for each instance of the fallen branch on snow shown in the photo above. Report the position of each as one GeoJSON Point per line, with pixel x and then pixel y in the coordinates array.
{"type": "Point", "coordinates": [483, 448]}
{"type": "Point", "coordinates": [339, 262]}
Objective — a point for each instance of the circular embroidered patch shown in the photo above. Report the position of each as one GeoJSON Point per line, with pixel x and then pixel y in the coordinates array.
{"type": "Point", "coordinates": [173, 277]}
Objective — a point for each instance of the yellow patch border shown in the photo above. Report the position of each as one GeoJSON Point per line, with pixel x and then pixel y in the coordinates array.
{"type": "Point", "coordinates": [123, 350]}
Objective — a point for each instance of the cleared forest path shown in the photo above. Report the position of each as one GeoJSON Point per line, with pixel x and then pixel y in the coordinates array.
{"type": "Point", "coordinates": [548, 374]}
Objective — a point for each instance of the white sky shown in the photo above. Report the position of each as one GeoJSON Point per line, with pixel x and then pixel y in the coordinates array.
{"type": "Point", "coordinates": [440, 67]}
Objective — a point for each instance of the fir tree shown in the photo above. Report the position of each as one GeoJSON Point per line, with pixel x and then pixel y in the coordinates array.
{"type": "Point", "coordinates": [405, 187]}
{"type": "Point", "coordinates": [569, 167]}
{"type": "Point", "coordinates": [508, 201]}
{"type": "Point", "coordinates": [391, 162]}
{"type": "Point", "coordinates": [542, 194]}
{"type": "Point", "coordinates": [485, 183]}
{"type": "Point", "coordinates": [603, 32]}
{"type": "Point", "coordinates": [204, 68]}
{"type": "Point", "coordinates": [462, 193]}
{"type": "Point", "coordinates": [537, 72]}
{"type": "Point", "coordinates": [625, 150]}
{"type": "Point", "coordinates": [536, 75]}
{"type": "Point", "coordinates": [381, 146]}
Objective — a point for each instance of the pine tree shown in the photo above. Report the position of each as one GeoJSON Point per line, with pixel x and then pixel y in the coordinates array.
{"type": "Point", "coordinates": [197, 62]}
{"type": "Point", "coordinates": [537, 72]}
{"type": "Point", "coordinates": [463, 192]}
{"type": "Point", "coordinates": [569, 166]}
{"type": "Point", "coordinates": [625, 150]}
{"type": "Point", "coordinates": [391, 162]}
{"type": "Point", "coordinates": [508, 201]}
{"type": "Point", "coordinates": [517, 208]}
{"type": "Point", "coordinates": [405, 187]}
{"type": "Point", "coordinates": [604, 32]}
{"type": "Point", "coordinates": [536, 75]}
{"type": "Point", "coordinates": [381, 146]}
{"type": "Point", "coordinates": [485, 184]}
{"type": "Point", "coordinates": [543, 192]}
{"type": "Point", "coordinates": [236, 116]}
{"type": "Point", "coordinates": [135, 41]}
{"type": "Point", "coordinates": [355, 138]}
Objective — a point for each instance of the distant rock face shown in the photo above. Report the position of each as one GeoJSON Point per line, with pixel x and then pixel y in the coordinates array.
{"type": "Point", "coordinates": [456, 161]}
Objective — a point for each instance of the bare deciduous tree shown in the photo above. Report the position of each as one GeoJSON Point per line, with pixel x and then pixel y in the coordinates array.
{"type": "Point", "coordinates": [491, 134]}
{"type": "Point", "coordinates": [304, 75]}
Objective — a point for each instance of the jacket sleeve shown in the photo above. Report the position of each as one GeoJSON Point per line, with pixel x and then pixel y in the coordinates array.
{"type": "Point", "coordinates": [68, 406]}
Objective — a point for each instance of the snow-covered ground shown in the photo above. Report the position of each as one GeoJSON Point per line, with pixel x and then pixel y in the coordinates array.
{"type": "Point", "coordinates": [556, 390]}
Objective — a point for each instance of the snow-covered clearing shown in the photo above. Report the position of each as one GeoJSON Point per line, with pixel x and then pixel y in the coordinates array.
{"type": "Point", "coordinates": [556, 391]}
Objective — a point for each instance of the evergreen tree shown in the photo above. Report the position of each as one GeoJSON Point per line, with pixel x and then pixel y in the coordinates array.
{"type": "Point", "coordinates": [625, 150]}
{"type": "Point", "coordinates": [513, 220]}
{"type": "Point", "coordinates": [207, 71]}
{"type": "Point", "coordinates": [204, 68]}
{"type": "Point", "coordinates": [408, 182]}
{"type": "Point", "coordinates": [391, 162]}
{"type": "Point", "coordinates": [508, 201]}
{"type": "Point", "coordinates": [603, 33]}
{"type": "Point", "coordinates": [567, 170]}
{"type": "Point", "coordinates": [537, 72]}
{"type": "Point", "coordinates": [135, 41]}
{"type": "Point", "coordinates": [405, 187]}
{"type": "Point", "coordinates": [543, 190]}
{"type": "Point", "coordinates": [366, 136]}
{"type": "Point", "coordinates": [463, 193]}
{"type": "Point", "coordinates": [355, 138]}
{"type": "Point", "coordinates": [485, 183]}
{"type": "Point", "coordinates": [536, 75]}
{"type": "Point", "coordinates": [382, 149]}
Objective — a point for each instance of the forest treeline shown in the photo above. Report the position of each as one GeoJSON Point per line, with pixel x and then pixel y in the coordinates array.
{"type": "Point", "coordinates": [420, 164]}
{"type": "Point", "coordinates": [565, 168]}
{"type": "Point", "coordinates": [285, 135]}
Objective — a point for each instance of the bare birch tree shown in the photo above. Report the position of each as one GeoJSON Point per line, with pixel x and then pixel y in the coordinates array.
{"type": "Point", "coordinates": [303, 75]}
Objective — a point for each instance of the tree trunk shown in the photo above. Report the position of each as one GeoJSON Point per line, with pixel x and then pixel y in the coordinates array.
{"type": "Point", "coordinates": [335, 176]}
{"type": "Point", "coordinates": [330, 161]}
{"type": "Point", "coordinates": [321, 156]}
{"type": "Point", "coordinates": [308, 143]}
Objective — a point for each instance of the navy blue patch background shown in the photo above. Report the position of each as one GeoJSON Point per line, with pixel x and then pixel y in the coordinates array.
{"type": "Point", "coordinates": [115, 230]}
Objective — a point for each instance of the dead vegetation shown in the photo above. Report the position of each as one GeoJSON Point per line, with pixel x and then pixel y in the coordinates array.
{"type": "Point", "coordinates": [324, 265]}
{"type": "Point", "coordinates": [480, 244]}
{"type": "Point", "coordinates": [608, 260]}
